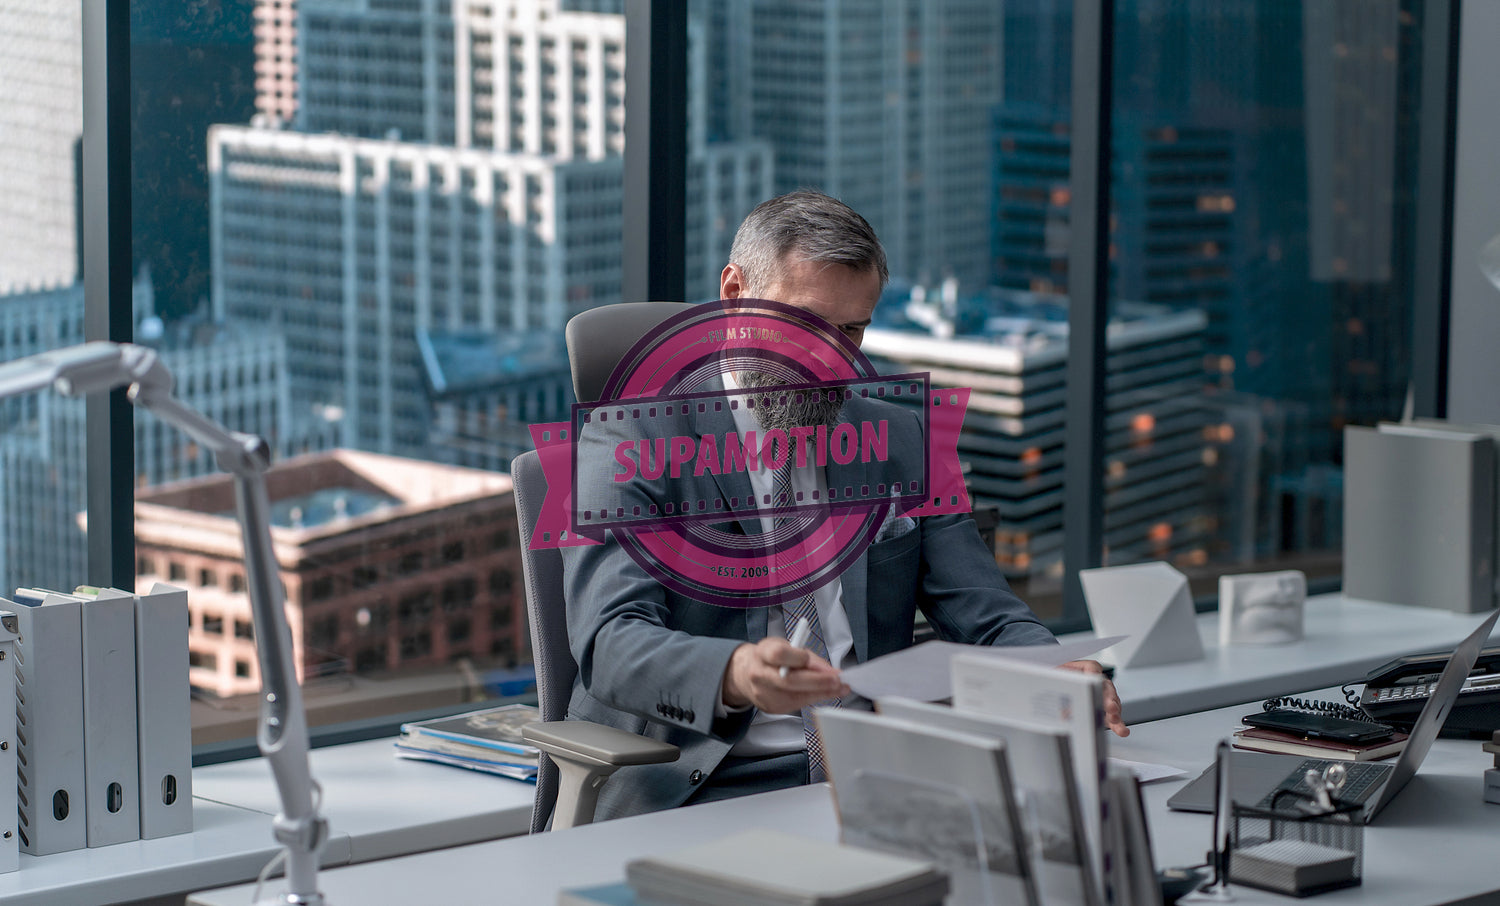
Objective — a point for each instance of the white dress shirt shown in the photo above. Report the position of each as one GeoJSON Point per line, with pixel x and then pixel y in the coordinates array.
{"type": "Point", "coordinates": [772, 734]}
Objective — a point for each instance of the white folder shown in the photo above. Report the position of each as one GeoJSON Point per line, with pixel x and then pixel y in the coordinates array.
{"type": "Point", "coordinates": [110, 768]}
{"type": "Point", "coordinates": [166, 732]}
{"type": "Point", "coordinates": [10, 844]}
{"type": "Point", "coordinates": [49, 722]}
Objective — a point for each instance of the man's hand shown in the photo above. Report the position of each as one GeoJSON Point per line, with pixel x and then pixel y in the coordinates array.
{"type": "Point", "coordinates": [753, 677]}
{"type": "Point", "coordinates": [1113, 715]}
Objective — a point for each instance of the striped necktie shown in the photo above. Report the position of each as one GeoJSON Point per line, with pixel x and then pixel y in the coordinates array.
{"type": "Point", "coordinates": [791, 613]}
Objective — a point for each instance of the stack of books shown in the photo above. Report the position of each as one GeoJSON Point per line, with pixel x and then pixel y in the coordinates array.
{"type": "Point", "coordinates": [487, 740]}
{"type": "Point", "coordinates": [1256, 739]}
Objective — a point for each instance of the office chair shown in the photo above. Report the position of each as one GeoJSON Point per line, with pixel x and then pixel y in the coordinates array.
{"type": "Point", "coordinates": [578, 756]}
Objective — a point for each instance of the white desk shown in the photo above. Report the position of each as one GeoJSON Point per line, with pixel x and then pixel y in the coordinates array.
{"type": "Point", "coordinates": [386, 806]}
{"type": "Point", "coordinates": [378, 806]}
{"type": "Point", "coordinates": [1434, 844]}
{"type": "Point", "coordinates": [228, 845]}
{"type": "Point", "coordinates": [1344, 640]}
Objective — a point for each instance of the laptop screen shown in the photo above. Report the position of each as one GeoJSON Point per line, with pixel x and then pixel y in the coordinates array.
{"type": "Point", "coordinates": [1430, 721]}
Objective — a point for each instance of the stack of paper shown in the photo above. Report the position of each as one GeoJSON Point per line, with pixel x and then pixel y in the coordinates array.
{"type": "Point", "coordinates": [770, 868]}
{"type": "Point", "coordinates": [487, 740]}
{"type": "Point", "coordinates": [1292, 866]}
{"type": "Point", "coordinates": [918, 789]}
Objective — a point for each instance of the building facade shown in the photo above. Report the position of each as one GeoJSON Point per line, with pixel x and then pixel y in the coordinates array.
{"type": "Point", "coordinates": [387, 563]}
{"type": "Point", "coordinates": [353, 245]}
{"type": "Point", "coordinates": [1012, 443]}
{"type": "Point", "coordinates": [41, 134]}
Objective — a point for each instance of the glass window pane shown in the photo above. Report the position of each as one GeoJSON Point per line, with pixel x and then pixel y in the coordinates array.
{"type": "Point", "coordinates": [42, 464]}
{"type": "Point", "coordinates": [365, 229]}
{"type": "Point", "coordinates": [1260, 277]}
{"type": "Point", "coordinates": [945, 124]}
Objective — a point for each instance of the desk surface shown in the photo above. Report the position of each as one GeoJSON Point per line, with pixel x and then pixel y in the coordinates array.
{"type": "Point", "coordinates": [387, 806]}
{"type": "Point", "coordinates": [378, 806]}
{"type": "Point", "coordinates": [228, 844]}
{"type": "Point", "coordinates": [1440, 819]}
{"type": "Point", "coordinates": [1344, 639]}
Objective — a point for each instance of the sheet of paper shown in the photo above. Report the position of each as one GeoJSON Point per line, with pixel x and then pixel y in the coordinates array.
{"type": "Point", "coordinates": [921, 672]}
{"type": "Point", "coordinates": [1146, 772]}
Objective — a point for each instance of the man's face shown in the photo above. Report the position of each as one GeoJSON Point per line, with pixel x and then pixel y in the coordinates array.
{"type": "Point", "coordinates": [840, 295]}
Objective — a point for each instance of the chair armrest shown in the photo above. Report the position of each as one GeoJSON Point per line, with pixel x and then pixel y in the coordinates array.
{"type": "Point", "coordinates": [591, 743]}
{"type": "Point", "coordinates": [586, 754]}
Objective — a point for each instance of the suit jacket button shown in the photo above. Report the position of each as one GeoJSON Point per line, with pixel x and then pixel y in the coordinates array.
{"type": "Point", "coordinates": [689, 717]}
{"type": "Point", "coordinates": [661, 709]}
{"type": "Point", "coordinates": [695, 778]}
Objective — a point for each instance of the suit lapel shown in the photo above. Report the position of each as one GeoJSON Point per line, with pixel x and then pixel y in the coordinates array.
{"type": "Point", "coordinates": [731, 485]}
{"type": "Point", "coordinates": [855, 597]}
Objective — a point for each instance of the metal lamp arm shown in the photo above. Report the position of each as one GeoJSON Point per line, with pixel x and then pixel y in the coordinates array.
{"type": "Point", "coordinates": [282, 734]}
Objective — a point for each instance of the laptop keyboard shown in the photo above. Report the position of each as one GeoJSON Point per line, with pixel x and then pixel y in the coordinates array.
{"type": "Point", "coordinates": [1361, 778]}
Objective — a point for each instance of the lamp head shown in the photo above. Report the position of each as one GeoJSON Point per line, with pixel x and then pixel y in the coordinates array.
{"type": "Point", "coordinates": [1489, 260]}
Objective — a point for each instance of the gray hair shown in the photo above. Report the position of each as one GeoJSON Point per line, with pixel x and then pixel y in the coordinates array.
{"type": "Point", "coordinates": [811, 225]}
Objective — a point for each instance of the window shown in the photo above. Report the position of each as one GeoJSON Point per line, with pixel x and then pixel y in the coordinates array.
{"type": "Point", "coordinates": [176, 571]}
{"type": "Point", "coordinates": [213, 624]}
{"type": "Point", "coordinates": [243, 629]}
{"type": "Point", "coordinates": [207, 578]}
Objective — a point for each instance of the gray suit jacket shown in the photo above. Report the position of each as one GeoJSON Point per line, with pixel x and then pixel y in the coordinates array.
{"type": "Point", "coordinates": [652, 661]}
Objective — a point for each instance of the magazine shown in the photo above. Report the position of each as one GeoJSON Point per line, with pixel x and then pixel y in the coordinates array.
{"type": "Point", "coordinates": [497, 729]}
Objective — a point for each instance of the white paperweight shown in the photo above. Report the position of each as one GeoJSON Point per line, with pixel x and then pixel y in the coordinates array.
{"type": "Point", "coordinates": [1149, 603]}
{"type": "Point", "coordinates": [1261, 608]}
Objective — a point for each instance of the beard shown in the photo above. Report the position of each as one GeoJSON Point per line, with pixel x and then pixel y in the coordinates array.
{"type": "Point", "coordinates": [814, 409]}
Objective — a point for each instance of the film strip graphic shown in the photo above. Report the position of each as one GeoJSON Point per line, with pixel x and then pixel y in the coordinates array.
{"type": "Point", "coordinates": [693, 442]}
{"type": "Point", "coordinates": [684, 547]}
{"type": "Point", "coordinates": [665, 460]}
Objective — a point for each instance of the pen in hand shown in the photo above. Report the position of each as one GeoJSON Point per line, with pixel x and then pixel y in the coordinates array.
{"type": "Point", "coordinates": [799, 638]}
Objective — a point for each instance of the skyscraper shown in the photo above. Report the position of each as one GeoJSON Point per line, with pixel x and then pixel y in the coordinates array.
{"type": "Point", "coordinates": [1013, 436]}
{"type": "Point", "coordinates": [41, 130]}
{"type": "Point", "coordinates": [353, 245]}
{"type": "Point", "coordinates": [236, 376]}
{"type": "Point", "coordinates": [455, 166]}
{"type": "Point", "coordinates": [885, 105]}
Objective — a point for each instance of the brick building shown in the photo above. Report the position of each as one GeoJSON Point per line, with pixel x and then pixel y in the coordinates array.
{"type": "Point", "coordinates": [387, 563]}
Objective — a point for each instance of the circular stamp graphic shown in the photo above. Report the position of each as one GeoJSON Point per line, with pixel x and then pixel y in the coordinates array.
{"type": "Point", "coordinates": [699, 456]}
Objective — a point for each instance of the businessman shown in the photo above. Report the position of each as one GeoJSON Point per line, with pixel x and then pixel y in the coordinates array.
{"type": "Point", "coordinates": [725, 685]}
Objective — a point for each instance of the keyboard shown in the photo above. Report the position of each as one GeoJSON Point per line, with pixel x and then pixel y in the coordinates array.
{"type": "Point", "coordinates": [1359, 783]}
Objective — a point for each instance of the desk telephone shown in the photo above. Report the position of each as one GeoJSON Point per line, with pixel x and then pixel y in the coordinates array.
{"type": "Point", "coordinates": [1395, 692]}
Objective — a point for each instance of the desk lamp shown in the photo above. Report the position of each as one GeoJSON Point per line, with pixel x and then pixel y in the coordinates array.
{"type": "Point", "coordinates": [282, 734]}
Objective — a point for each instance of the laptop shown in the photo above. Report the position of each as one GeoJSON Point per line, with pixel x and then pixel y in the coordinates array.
{"type": "Point", "coordinates": [1255, 776]}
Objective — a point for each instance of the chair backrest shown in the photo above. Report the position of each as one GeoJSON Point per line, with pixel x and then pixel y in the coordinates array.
{"type": "Point", "coordinates": [541, 572]}
{"type": "Point", "coordinates": [597, 340]}
{"type": "Point", "coordinates": [600, 337]}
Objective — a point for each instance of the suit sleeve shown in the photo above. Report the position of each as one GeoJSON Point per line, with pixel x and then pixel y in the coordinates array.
{"type": "Point", "coordinates": [626, 635]}
{"type": "Point", "coordinates": [963, 592]}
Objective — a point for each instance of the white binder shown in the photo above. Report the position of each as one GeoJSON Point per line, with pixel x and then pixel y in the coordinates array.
{"type": "Point", "coordinates": [110, 767]}
{"type": "Point", "coordinates": [10, 844]}
{"type": "Point", "coordinates": [163, 694]}
{"type": "Point", "coordinates": [49, 722]}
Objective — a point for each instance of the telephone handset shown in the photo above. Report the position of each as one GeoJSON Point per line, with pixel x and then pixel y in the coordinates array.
{"type": "Point", "coordinates": [1395, 692]}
